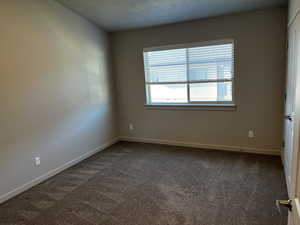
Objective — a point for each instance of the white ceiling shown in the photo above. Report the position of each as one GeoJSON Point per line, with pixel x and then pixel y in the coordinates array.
{"type": "Point", "coordinates": [113, 15]}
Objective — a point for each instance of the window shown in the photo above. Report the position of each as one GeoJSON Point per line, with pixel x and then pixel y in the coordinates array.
{"type": "Point", "coordinates": [199, 73]}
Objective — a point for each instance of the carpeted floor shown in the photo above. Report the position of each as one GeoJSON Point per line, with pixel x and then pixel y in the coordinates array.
{"type": "Point", "coordinates": [145, 184]}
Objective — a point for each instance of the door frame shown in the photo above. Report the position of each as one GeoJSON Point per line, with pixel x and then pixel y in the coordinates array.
{"type": "Point", "coordinates": [294, 215]}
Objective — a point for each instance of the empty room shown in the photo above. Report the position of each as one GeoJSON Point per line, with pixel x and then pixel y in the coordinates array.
{"type": "Point", "coordinates": [149, 112]}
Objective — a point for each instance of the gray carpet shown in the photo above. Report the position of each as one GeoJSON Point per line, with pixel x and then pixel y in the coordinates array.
{"type": "Point", "coordinates": [145, 184]}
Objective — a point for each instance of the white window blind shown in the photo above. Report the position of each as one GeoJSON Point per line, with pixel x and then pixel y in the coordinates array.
{"type": "Point", "coordinates": [194, 74]}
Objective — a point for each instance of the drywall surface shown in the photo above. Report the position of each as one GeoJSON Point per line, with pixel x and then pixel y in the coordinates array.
{"type": "Point", "coordinates": [56, 90]}
{"type": "Point", "coordinates": [260, 39]}
{"type": "Point", "coordinates": [114, 15]}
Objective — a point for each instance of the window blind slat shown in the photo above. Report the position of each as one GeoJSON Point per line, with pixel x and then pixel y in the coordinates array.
{"type": "Point", "coordinates": [166, 66]}
{"type": "Point", "coordinates": [211, 62]}
{"type": "Point", "coordinates": [204, 63]}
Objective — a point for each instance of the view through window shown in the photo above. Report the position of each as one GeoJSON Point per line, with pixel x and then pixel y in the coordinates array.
{"type": "Point", "coordinates": [193, 74]}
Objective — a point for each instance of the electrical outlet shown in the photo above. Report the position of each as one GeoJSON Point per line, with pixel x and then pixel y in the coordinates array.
{"type": "Point", "coordinates": [251, 134]}
{"type": "Point", "coordinates": [37, 161]}
{"type": "Point", "coordinates": [131, 127]}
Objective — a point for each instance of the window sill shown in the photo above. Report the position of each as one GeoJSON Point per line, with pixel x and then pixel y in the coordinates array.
{"type": "Point", "coordinates": [206, 107]}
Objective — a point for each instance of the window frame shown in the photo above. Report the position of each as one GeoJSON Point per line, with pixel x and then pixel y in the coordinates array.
{"type": "Point", "coordinates": [188, 82]}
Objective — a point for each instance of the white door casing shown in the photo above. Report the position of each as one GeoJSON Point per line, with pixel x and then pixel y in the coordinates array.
{"type": "Point", "coordinates": [292, 164]}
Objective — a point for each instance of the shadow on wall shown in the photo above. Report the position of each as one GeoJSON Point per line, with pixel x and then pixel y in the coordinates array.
{"type": "Point", "coordinates": [56, 89]}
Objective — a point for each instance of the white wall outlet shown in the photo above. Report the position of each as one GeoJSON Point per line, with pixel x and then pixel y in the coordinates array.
{"type": "Point", "coordinates": [251, 134]}
{"type": "Point", "coordinates": [37, 161]}
{"type": "Point", "coordinates": [131, 127]}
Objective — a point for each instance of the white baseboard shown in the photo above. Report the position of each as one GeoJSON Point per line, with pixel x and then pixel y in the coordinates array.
{"type": "Point", "coordinates": [204, 146]}
{"type": "Point", "coordinates": [54, 172]}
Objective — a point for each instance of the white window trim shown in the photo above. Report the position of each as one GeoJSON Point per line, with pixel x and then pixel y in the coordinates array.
{"type": "Point", "coordinates": [206, 104]}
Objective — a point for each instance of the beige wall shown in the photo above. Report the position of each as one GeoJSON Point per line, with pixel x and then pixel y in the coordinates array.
{"type": "Point", "coordinates": [260, 74]}
{"type": "Point", "coordinates": [55, 90]}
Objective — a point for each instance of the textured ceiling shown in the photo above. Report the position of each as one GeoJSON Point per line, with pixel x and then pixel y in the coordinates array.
{"type": "Point", "coordinates": [113, 15]}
